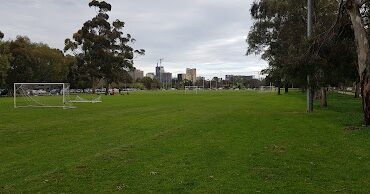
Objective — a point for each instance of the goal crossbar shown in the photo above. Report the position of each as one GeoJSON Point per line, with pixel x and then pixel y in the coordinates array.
{"type": "Point", "coordinates": [25, 93]}
{"type": "Point", "coordinates": [192, 88]}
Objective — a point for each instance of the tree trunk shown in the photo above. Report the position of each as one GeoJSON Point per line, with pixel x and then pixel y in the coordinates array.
{"type": "Point", "coordinates": [357, 89]}
{"type": "Point", "coordinates": [279, 88]}
{"type": "Point", "coordinates": [93, 85]}
{"type": "Point", "coordinates": [286, 88]}
{"type": "Point", "coordinates": [365, 91]}
{"type": "Point", "coordinates": [310, 95]}
{"type": "Point", "coordinates": [362, 44]}
{"type": "Point", "coordinates": [107, 88]}
{"type": "Point", "coordinates": [323, 99]}
{"type": "Point", "coordinates": [317, 95]}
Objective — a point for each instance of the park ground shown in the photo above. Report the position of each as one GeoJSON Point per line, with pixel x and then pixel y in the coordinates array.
{"type": "Point", "coordinates": [171, 142]}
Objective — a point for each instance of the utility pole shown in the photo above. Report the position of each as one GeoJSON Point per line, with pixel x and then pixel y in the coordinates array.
{"type": "Point", "coordinates": [309, 33]}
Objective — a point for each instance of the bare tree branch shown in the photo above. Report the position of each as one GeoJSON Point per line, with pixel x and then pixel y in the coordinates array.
{"type": "Point", "coordinates": [361, 2]}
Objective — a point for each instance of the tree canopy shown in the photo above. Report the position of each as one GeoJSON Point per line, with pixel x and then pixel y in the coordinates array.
{"type": "Point", "coordinates": [279, 34]}
{"type": "Point", "coordinates": [5, 57]}
{"type": "Point", "coordinates": [35, 62]}
{"type": "Point", "coordinates": [101, 48]}
{"type": "Point", "coordinates": [337, 52]}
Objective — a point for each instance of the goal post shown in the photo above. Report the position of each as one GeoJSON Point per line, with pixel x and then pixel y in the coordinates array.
{"type": "Point", "coordinates": [79, 99]}
{"type": "Point", "coordinates": [41, 95]}
{"type": "Point", "coordinates": [192, 88]}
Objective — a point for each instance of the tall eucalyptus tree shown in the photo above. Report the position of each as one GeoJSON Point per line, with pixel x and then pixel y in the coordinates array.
{"type": "Point", "coordinates": [101, 48]}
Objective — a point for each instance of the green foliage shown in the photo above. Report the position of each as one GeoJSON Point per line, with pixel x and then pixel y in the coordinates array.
{"type": "Point", "coordinates": [102, 50]}
{"type": "Point", "coordinates": [1, 35]}
{"type": "Point", "coordinates": [279, 34]}
{"type": "Point", "coordinates": [169, 142]}
{"type": "Point", "coordinates": [36, 62]}
{"type": "Point", "coordinates": [103, 6]}
{"type": "Point", "coordinates": [147, 82]}
{"type": "Point", "coordinates": [5, 57]}
{"type": "Point", "coordinates": [139, 86]}
{"type": "Point", "coordinates": [24, 61]}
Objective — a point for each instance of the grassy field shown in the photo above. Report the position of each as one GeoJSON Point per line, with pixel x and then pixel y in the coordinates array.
{"type": "Point", "coordinates": [169, 142]}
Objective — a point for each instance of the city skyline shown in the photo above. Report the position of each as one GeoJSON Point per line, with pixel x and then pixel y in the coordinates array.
{"type": "Point", "coordinates": [189, 74]}
{"type": "Point", "coordinates": [200, 73]}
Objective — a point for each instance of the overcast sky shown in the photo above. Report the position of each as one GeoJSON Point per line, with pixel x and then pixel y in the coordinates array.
{"type": "Point", "coordinates": [205, 34]}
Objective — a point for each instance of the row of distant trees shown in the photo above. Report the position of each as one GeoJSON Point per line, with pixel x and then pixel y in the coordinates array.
{"type": "Point", "coordinates": [337, 53]}
{"type": "Point", "coordinates": [24, 61]}
{"type": "Point", "coordinates": [99, 52]}
{"type": "Point", "coordinates": [149, 83]}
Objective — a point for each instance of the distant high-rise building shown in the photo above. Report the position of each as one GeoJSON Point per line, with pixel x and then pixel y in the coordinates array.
{"type": "Point", "coordinates": [191, 74]}
{"type": "Point", "coordinates": [181, 76]}
{"type": "Point", "coordinates": [161, 75]}
{"type": "Point", "coordinates": [158, 71]}
{"type": "Point", "coordinates": [136, 74]}
{"type": "Point", "coordinates": [150, 75]}
{"type": "Point", "coordinates": [166, 77]}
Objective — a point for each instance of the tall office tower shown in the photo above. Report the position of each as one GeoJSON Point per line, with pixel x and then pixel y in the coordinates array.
{"type": "Point", "coordinates": [191, 74]}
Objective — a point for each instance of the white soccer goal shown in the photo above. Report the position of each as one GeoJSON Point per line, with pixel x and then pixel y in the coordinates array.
{"type": "Point", "coordinates": [267, 88]}
{"type": "Point", "coordinates": [42, 95]}
{"type": "Point", "coordinates": [85, 99]}
{"type": "Point", "coordinates": [189, 89]}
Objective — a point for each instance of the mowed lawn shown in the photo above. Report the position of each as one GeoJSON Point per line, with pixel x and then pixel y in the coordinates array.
{"type": "Point", "coordinates": [171, 142]}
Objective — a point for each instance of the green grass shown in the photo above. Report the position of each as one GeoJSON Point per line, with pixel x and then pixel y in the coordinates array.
{"type": "Point", "coordinates": [169, 142]}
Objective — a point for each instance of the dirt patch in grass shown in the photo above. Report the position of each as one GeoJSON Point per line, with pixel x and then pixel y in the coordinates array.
{"type": "Point", "coordinates": [277, 149]}
{"type": "Point", "coordinates": [81, 167]}
{"type": "Point", "coordinates": [352, 128]}
{"type": "Point", "coordinates": [6, 188]}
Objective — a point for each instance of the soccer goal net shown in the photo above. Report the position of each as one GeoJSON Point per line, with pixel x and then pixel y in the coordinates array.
{"type": "Point", "coordinates": [267, 89]}
{"type": "Point", "coordinates": [85, 99]}
{"type": "Point", "coordinates": [192, 89]}
{"type": "Point", "coordinates": [43, 95]}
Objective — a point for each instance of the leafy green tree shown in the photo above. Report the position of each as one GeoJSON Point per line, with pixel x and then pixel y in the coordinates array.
{"type": "Point", "coordinates": [360, 22]}
{"type": "Point", "coordinates": [5, 56]}
{"type": "Point", "coordinates": [35, 62]}
{"type": "Point", "coordinates": [337, 59]}
{"type": "Point", "coordinates": [356, 14]}
{"type": "Point", "coordinates": [147, 82]}
{"type": "Point", "coordinates": [279, 34]}
{"type": "Point", "coordinates": [21, 68]}
{"type": "Point", "coordinates": [101, 48]}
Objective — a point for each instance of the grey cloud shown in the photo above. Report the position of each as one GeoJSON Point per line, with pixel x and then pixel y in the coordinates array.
{"type": "Point", "coordinates": [206, 34]}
